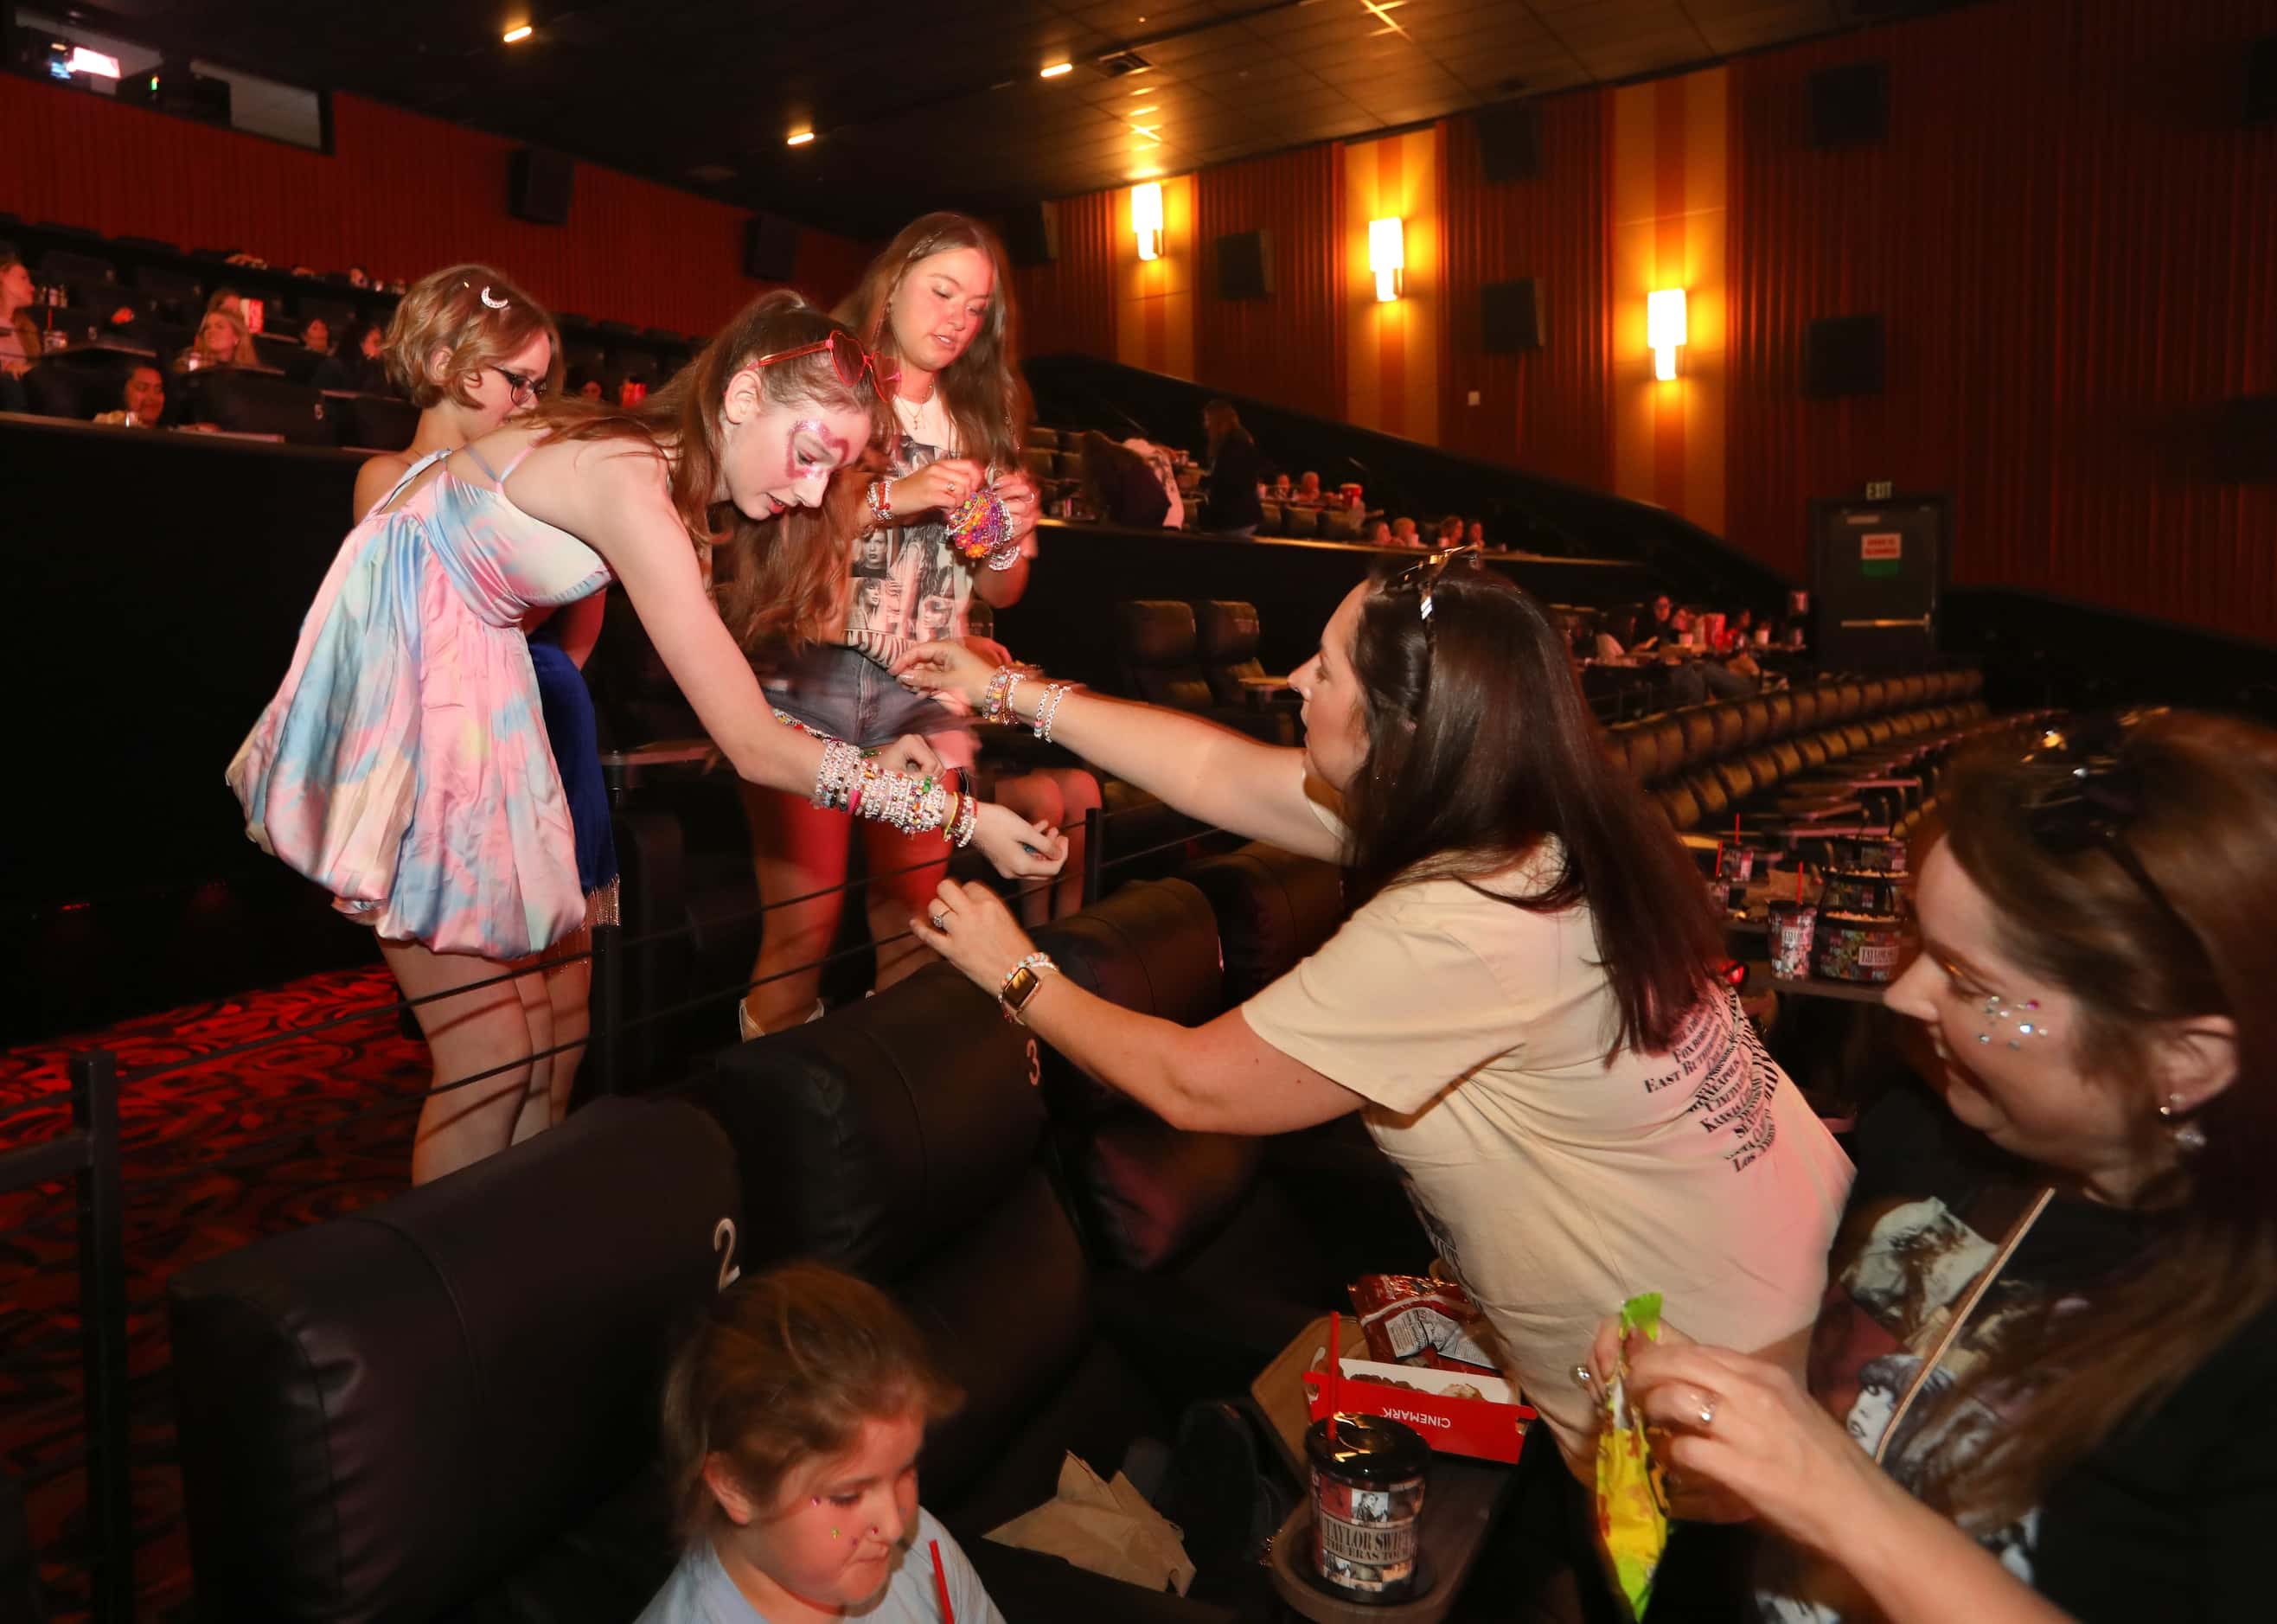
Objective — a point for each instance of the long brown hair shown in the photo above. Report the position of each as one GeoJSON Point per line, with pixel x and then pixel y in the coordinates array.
{"type": "Point", "coordinates": [784, 573]}
{"type": "Point", "coordinates": [785, 1369]}
{"type": "Point", "coordinates": [1479, 747]}
{"type": "Point", "coordinates": [2207, 789]}
{"type": "Point", "coordinates": [982, 389]}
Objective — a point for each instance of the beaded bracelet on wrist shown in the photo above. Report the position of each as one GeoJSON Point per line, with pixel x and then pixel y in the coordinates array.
{"type": "Point", "coordinates": [1049, 708]}
{"type": "Point", "coordinates": [881, 515]}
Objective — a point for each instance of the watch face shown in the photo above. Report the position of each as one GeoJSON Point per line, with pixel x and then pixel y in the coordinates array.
{"type": "Point", "coordinates": [1021, 987]}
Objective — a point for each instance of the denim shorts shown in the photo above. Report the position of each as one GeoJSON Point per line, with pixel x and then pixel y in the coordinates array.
{"type": "Point", "coordinates": [849, 696]}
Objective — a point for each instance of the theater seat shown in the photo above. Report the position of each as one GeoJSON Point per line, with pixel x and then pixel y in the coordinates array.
{"type": "Point", "coordinates": [901, 1138]}
{"type": "Point", "coordinates": [256, 403]}
{"type": "Point", "coordinates": [1158, 650]}
{"type": "Point", "coordinates": [445, 1406]}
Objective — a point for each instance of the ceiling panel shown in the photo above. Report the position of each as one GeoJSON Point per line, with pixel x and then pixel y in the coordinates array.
{"type": "Point", "coordinates": [920, 106]}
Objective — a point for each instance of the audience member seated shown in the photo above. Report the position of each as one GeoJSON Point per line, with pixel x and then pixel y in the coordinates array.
{"type": "Point", "coordinates": [1404, 533]}
{"type": "Point", "coordinates": [1614, 633]}
{"type": "Point", "coordinates": [1120, 486]}
{"type": "Point", "coordinates": [1476, 535]}
{"type": "Point", "coordinates": [1451, 532]}
{"type": "Point", "coordinates": [2040, 1376]}
{"type": "Point", "coordinates": [145, 398]}
{"type": "Point", "coordinates": [354, 364]}
{"type": "Point", "coordinates": [585, 385]}
{"type": "Point", "coordinates": [1164, 462]}
{"type": "Point", "coordinates": [1379, 534]}
{"type": "Point", "coordinates": [358, 277]}
{"type": "Point", "coordinates": [1658, 634]}
{"type": "Point", "coordinates": [317, 336]}
{"type": "Point", "coordinates": [792, 1422]}
{"type": "Point", "coordinates": [1280, 490]}
{"type": "Point", "coordinates": [20, 336]}
{"type": "Point", "coordinates": [1308, 490]}
{"type": "Point", "coordinates": [1234, 467]}
{"type": "Point", "coordinates": [1700, 673]}
{"type": "Point", "coordinates": [229, 300]}
{"type": "Point", "coordinates": [222, 341]}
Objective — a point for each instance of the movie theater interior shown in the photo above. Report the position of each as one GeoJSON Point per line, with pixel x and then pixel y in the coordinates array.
{"type": "Point", "coordinates": [1066, 811]}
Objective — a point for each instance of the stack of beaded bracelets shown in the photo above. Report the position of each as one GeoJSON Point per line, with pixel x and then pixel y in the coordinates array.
{"type": "Point", "coordinates": [996, 700]}
{"type": "Point", "coordinates": [852, 782]}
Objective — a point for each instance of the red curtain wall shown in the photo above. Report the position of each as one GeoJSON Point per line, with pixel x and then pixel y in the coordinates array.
{"type": "Point", "coordinates": [1068, 307]}
{"type": "Point", "coordinates": [1549, 411]}
{"type": "Point", "coordinates": [2073, 244]}
{"type": "Point", "coordinates": [1287, 348]}
{"type": "Point", "coordinates": [400, 193]}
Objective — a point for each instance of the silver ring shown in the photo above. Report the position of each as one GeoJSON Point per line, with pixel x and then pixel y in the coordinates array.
{"type": "Point", "coordinates": [1708, 1413]}
{"type": "Point", "coordinates": [1581, 1376]}
{"type": "Point", "coordinates": [940, 923]}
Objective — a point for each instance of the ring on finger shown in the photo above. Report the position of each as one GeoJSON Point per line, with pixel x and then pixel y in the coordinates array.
{"type": "Point", "coordinates": [940, 923]}
{"type": "Point", "coordinates": [1708, 1410]}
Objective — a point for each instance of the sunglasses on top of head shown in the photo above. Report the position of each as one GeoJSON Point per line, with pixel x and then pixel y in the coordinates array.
{"type": "Point", "coordinates": [852, 362]}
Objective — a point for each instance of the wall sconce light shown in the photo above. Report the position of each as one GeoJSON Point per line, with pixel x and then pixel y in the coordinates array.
{"type": "Point", "coordinates": [1665, 330]}
{"type": "Point", "coordinates": [1387, 256]}
{"type": "Point", "coordinates": [1147, 218]}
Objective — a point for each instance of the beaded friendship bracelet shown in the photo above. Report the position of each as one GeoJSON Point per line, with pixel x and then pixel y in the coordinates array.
{"type": "Point", "coordinates": [881, 515]}
{"type": "Point", "coordinates": [1049, 708]}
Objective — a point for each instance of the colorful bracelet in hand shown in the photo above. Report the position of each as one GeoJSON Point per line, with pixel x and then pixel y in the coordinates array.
{"type": "Point", "coordinates": [851, 782]}
{"type": "Point", "coordinates": [881, 513]}
{"type": "Point", "coordinates": [968, 818]}
{"type": "Point", "coordinates": [996, 701]}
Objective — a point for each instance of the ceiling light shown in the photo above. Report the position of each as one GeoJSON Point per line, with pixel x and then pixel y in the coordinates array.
{"type": "Point", "coordinates": [515, 36]}
{"type": "Point", "coordinates": [800, 139]}
{"type": "Point", "coordinates": [1056, 69]}
{"type": "Point", "coordinates": [1138, 111]}
{"type": "Point", "coordinates": [82, 60]}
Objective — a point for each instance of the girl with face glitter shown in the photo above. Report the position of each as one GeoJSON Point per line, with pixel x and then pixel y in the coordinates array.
{"type": "Point", "coordinates": [2066, 1246]}
{"type": "Point", "coordinates": [404, 764]}
{"type": "Point", "coordinates": [936, 308]}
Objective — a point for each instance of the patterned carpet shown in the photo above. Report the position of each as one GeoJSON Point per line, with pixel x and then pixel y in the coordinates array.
{"type": "Point", "coordinates": [219, 1149]}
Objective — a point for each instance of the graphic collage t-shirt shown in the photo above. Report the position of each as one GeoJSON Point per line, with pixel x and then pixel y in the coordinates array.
{"type": "Point", "coordinates": [2136, 1530]}
{"type": "Point", "coordinates": [910, 586]}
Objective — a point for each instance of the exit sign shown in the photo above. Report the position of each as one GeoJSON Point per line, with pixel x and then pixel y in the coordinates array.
{"type": "Point", "coordinates": [1879, 490]}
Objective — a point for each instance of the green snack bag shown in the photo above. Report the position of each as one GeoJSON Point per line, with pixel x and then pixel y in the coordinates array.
{"type": "Point", "coordinates": [1632, 1503]}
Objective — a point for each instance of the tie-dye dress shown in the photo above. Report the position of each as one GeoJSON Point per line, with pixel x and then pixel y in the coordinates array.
{"type": "Point", "coordinates": [404, 765]}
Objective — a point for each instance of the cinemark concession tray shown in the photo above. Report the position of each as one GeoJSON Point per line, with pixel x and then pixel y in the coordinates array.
{"type": "Point", "coordinates": [1457, 1411]}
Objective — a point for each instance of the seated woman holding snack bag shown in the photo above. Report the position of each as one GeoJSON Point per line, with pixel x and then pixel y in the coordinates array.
{"type": "Point", "coordinates": [1523, 1004]}
{"type": "Point", "coordinates": [2040, 1388]}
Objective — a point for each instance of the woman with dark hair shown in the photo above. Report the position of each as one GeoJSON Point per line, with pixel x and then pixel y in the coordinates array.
{"type": "Point", "coordinates": [1235, 469]}
{"type": "Point", "coordinates": [936, 307]}
{"type": "Point", "coordinates": [1121, 486]}
{"type": "Point", "coordinates": [1523, 1004]}
{"type": "Point", "coordinates": [403, 764]}
{"type": "Point", "coordinates": [2088, 1430]}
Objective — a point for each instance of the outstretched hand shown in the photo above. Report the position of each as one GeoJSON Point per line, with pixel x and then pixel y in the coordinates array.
{"type": "Point", "coordinates": [950, 666]}
{"type": "Point", "coordinates": [1017, 848]}
{"type": "Point", "coordinates": [969, 927]}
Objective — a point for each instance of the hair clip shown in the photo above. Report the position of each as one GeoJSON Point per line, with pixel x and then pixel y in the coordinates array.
{"type": "Point", "coordinates": [495, 304]}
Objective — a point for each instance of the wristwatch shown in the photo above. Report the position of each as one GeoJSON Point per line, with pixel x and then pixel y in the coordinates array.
{"type": "Point", "coordinates": [1020, 986]}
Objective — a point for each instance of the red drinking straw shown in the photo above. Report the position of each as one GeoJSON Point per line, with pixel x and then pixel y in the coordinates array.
{"type": "Point", "coordinates": [1336, 1373]}
{"type": "Point", "coordinates": [1798, 880]}
{"type": "Point", "coordinates": [941, 1583]}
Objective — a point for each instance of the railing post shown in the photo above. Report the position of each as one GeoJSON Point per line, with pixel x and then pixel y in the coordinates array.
{"type": "Point", "coordinates": [607, 1040]}
{"type": "Point", "coordinates": [1094, 852]}
{"type": "Point", "coordinates": [102, 1336]}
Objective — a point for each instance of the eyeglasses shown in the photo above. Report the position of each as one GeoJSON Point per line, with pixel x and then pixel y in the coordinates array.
{"type": "Point", "coordinates": [2090, 801]}
{"type": "Point", "coordinates": [1425, 577]}
{"type": "Point", "coordinates": [521, 390]}
{"type": "Point", "coordinates": [846, 354]}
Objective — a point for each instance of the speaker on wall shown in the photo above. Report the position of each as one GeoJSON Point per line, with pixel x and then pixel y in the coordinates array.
{"type": "Point", "coordinates": [1511, 319]}
{"type": "Point", "coordinates": [1245, 266]}
{"type": "Point", "coordinates": [1032, 235]}
{"type": "Point", "coordinates": [2261, 81]}
{"type": "Point", "coordinates": [1842, 356]}
{"type": "Point", "coordinates": [1510, 143]}
{"type": "Point", "coordinates": [539, 185]}
{"type": "Point", "coordinates": [1849, 105]}
{"type": "Point", "coordinates": [770, 249]}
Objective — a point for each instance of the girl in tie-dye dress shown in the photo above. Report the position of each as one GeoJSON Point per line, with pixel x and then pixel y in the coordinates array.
{"type": "Point", "coordinates": [404, 765]}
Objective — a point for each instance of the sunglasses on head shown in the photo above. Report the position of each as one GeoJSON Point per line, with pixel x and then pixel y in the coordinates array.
{"type": "Point", "coordinates": [846, 354]}
{"type": "Point", "coordinates": [2092, 796]}
{"type": "Point", "coordinates": [1425, 577]}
